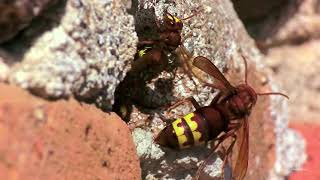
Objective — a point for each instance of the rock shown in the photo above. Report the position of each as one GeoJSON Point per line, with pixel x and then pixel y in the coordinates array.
{"type": "Point", "coordinates": [62, 139]}
{"type": "Point", "coordinates": [297, 67]}
{"type": "Point", "coordinates": [290, 150]}
{"type": "Point", "coordinates": [296, 23]}
{"type": "Point", "coordinates": [17, 14]}
{"type": "Point", "coordinates": [86, 54]}
{"type": "Point", "coordinates": [142, 98]}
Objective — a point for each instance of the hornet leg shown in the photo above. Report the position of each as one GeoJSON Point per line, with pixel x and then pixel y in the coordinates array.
{"type": "Point", "coordinates": [189, 99]}
{"type": "Point", "coordinates": [231, 133]}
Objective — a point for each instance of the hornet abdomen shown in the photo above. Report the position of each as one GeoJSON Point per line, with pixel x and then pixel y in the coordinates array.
{"type": "Point", "coordinates": [193, 129]}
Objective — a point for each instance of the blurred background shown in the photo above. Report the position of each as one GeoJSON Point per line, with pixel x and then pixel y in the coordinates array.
{"type": "Point", "coordinates": [288, 33]}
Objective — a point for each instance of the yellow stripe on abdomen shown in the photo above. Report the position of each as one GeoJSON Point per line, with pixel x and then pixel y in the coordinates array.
{"type": "Point", "coordinates": [182, 138]}
{"type": "Point", "coordinates": [180, 131]}
{"type": "Point", "coordinates": [193, 125]}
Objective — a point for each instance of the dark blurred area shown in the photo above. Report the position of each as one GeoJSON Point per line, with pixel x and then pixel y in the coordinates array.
{"type": "Point", "coordinates": [255, 10]}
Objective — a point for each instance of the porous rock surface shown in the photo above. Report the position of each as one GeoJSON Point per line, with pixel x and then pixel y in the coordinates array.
{"type": "Point", "coordinates": [62, 140]}
{"type": "Point", "coordinates": [217, 34]}
{"type": "Point", "coordinates": [85, 54]}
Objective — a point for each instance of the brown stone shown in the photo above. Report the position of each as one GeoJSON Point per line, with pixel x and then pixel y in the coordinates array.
{"type": "Point", "coordinates": [62, 140]}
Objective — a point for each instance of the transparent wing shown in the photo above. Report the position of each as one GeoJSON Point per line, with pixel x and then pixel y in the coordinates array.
{"type": "Point", "coordinates": [208, 67]}
{"type": "Point", "coordinates": [241, 165]}
{"type": "Point", "coordinates": [186, 61]}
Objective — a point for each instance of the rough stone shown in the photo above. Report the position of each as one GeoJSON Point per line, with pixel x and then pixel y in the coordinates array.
{"type": "Point", "coordinates": [62, 140]}
{"type": "Point", "coordinates": [85, 55]}
{"type": "Point", "coordinates": [290, 146]}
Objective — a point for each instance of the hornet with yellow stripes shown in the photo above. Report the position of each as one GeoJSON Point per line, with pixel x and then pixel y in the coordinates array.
{"type": "Point", "coordinates": [225, 117]}
{"type": "Point", "coordinates": [150, 56]}
{"type": "Point", "coordinates": [151, 52]}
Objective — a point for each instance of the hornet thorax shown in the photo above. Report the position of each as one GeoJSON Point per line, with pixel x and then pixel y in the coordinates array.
{"type": "Point", "coordinates": [240, 103]}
